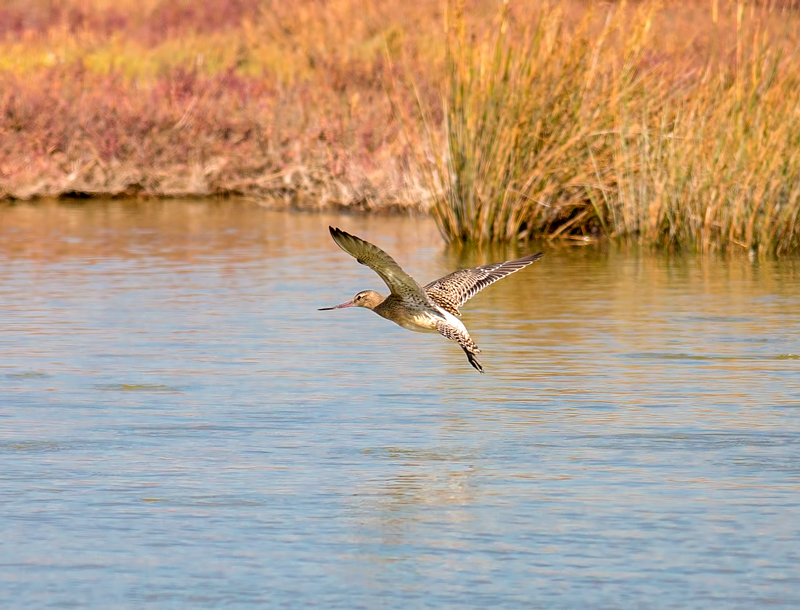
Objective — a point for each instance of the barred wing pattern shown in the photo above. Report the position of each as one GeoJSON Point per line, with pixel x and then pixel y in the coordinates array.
{"type": "Point", "coordinates": [452, 291]}
{"type": "Point", "coordinates": [399, 282]}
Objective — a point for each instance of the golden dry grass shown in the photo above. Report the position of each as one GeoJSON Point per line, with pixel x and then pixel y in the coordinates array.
{"type": "Point", "coordinates": [613, 124]}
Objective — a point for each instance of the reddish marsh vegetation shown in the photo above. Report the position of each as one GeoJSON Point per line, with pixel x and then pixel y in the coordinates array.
{"type": "Point", "coordinates": [672, 124]}
{"type": "Point", "coordinates": [254, 97]}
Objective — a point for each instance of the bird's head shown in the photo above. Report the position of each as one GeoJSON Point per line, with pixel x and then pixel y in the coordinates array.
{"type": "Point", "coordinates": [366, 298]}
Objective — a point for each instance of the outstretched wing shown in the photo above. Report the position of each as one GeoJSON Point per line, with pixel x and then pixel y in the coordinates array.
{"type": "Point", "coordinates": [399, 282]}
{"type": "Point", "coordinates": [452, 291]}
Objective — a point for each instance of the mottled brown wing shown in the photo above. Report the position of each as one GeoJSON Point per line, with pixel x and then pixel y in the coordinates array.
{"type": "Point", "coordinates": [399, 282]}
{"type": "Point", "coordinates": [452, 291]}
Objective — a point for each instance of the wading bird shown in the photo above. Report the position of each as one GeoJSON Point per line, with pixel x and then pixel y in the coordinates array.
{"type": "Point", "coordinates": [431, 308]}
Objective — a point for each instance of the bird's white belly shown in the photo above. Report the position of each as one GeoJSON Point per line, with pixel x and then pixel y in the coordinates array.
{"type": "Point", "coordinates": [453, 321]}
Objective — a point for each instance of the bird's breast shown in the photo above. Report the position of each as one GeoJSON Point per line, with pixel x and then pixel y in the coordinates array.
{"type": "Point", "coordinates": [421, 323]}
{"type": "Point", "coordinates": [410, 319]}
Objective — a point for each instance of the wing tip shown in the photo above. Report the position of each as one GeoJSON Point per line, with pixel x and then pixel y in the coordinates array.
{"type": "Point", "coordinates": [340, 237]}
{"type": "Point", "coordinates": [525, 260]}
{"type": "Point", "coordinates": [518, 263]}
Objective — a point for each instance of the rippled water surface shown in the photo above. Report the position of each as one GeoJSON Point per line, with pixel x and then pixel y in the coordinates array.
{"type": "Point", "coordinates": [181, 428]}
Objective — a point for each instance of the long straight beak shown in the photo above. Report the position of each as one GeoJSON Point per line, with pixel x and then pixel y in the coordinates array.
{"type": "Point", "coordinates": [342, 306]}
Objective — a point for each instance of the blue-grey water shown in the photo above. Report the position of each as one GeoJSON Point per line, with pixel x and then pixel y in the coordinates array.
{"type": "Point", "coordinates": [181, 428]}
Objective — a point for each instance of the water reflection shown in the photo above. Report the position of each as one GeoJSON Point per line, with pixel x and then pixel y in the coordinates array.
{"type": "Point", "coordinates": [181, 427]}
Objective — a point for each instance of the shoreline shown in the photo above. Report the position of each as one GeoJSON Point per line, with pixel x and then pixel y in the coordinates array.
{"type": "Point", "coordinates": [279, 198]}
{"type": "Point", "coordinates": [278, 202]}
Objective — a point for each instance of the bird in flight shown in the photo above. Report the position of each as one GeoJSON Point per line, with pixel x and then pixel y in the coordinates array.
{"type": "Point", "coordinates": [430, 308]}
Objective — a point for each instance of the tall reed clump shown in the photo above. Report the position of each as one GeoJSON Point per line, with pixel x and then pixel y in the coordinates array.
{"type": "Point", "coordinates": [524, 112]}
{"type": "Point", "coordinates": [563, 129]}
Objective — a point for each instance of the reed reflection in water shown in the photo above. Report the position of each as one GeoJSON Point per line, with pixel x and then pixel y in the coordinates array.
{"type": "Point", "coordinates": [181, 428]}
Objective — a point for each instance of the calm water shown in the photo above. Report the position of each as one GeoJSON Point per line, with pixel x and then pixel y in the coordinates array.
{"type": "Point", "coordinates": [181, 428]}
